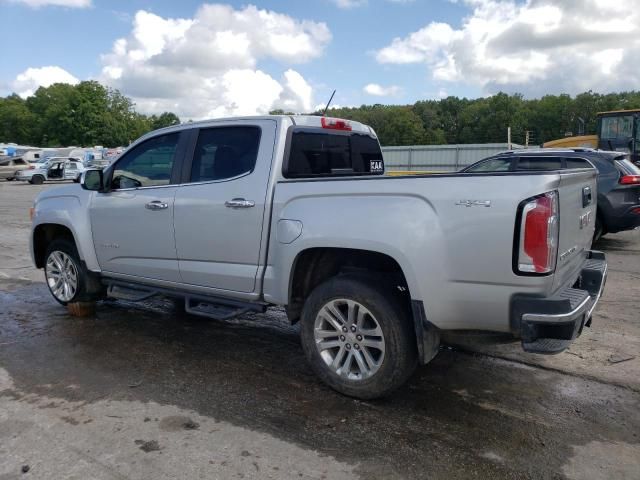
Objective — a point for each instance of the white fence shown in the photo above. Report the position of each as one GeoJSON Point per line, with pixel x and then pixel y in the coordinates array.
{"type": "Point", "coordinates": [440, 158]}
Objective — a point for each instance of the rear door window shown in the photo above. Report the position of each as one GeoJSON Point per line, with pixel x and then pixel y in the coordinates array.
{"type": "Point", "coordinates": [321, 154]}
{"type": "Point", "coordinates": [539, 163]}
{"type": "Point", "coordinates": [225, 152]}
{"type": "Point", "coordinates": [577, 163]}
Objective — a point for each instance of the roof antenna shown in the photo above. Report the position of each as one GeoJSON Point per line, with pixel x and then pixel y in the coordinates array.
{"type": "Point", "coordinates": [328, 103]}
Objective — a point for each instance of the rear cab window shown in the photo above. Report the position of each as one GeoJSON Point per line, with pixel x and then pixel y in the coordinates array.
{"type": "Point", "coordinates": [314, 152]}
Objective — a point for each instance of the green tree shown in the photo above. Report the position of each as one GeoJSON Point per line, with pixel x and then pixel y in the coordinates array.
{"type": "Point", "coordinates": [165, 119]}
{"type": "Point", "coordinates": [16, 120]}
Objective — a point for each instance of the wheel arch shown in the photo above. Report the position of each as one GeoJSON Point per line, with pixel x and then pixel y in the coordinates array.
{"type": "Point", "coordinates": [44, 234]}
{"type": "Point", "coordinates": [313, 266]}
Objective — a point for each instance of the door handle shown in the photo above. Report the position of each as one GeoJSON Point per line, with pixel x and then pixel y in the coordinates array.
{"type": "Point", "coordinates": [239, 203]}
{"type": "Point", "coordinates": [156, 205]}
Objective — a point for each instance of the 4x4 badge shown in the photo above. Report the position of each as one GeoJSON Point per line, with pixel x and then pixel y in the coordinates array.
{"type": "Point", "coordinates": [474, 203]}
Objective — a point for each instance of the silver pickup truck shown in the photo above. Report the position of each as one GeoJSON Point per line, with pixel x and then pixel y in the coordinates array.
{"type": "Point", "coordinates": [238, 215]}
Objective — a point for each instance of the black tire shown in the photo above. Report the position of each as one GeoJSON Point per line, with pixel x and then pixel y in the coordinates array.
{"type": "Point", "coordinates": [400, 356]}
{"type": "Point", "coordinates": [10, 179]}
{"type": "Point", "coordinates": [88, 288]}
{"type": "Point", "coordinates": [37, 180]}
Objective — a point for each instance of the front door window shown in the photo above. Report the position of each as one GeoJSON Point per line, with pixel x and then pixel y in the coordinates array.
{"type": "Point", "coordinates": [148, 165]}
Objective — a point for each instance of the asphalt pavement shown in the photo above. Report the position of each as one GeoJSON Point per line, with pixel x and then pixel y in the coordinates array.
{"type": "Point", "coordinates": [143, 391]}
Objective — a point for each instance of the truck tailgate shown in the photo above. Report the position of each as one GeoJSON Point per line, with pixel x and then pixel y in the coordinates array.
{"type": "Point", "coordinates": [577, 200]}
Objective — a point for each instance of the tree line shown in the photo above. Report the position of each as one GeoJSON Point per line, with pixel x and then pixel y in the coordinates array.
{"type": "Point", "coordinates": [85, 114]}
{"type": "Point", "coordinates": [91, 114]}
{"type": "Point", "coordinates": [485, 120]}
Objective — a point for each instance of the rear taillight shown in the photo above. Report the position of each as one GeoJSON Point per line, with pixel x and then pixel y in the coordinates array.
{"type": "Point", "coordinates": [335, 124]}
{"type": "Point", "coordinates": [31, 167]}
{"type": "Point", "coordinates": [538, 240]}
{"type": "Point", "coordinates": [629, 180]}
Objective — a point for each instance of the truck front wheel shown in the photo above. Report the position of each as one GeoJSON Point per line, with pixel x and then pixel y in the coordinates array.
{"type": "Point", "coordinates": [37, 180]}
{"type": "Point", "coordinates": [357, 337]}
{"type": "Point", "coordinates": [66, 276]}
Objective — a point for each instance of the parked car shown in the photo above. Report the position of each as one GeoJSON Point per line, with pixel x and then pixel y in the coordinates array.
{"type": "Point", "coordinates": [9, 165]}
{"type": "Point", "coordinates": [56, 168]}
{"type": "Point", "coordinates": [238, 215]}
{"type": "Point", "coordinates": [618, 180]}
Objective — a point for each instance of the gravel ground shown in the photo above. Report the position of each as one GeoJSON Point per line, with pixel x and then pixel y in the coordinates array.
{"type": "Point", "coordinates": [141, 391]}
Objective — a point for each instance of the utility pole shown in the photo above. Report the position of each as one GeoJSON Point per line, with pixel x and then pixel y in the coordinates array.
{"type": "Point", "coordinates": [526, 138]}
{"type": "Point", "coordinates": [509, 146]}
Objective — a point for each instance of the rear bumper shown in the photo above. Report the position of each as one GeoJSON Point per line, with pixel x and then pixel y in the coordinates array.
{"type": "Point", "coordinates": [627, 219]}
{"type": "Point", "coordinates": [549, 325]}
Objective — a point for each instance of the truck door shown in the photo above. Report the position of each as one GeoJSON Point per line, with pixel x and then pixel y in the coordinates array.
{"type": "Point", "coordinates": [219, 211]}
{"type": "Point", "coordinates": [132, 223]}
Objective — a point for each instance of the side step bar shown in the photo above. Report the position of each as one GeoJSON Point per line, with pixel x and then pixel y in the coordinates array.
{"type": "Point", "coordinates": [130, 293]}
{"type": "Point", "coordinates": [203, 305]}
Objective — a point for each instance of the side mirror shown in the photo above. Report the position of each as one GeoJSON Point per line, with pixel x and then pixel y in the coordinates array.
{"type": "Point", "coordinates": [92, 180]}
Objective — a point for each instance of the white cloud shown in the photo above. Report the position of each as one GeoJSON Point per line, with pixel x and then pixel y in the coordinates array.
{"type": "Point", "coordinates": [349, 3]}
{"type": "Point", "coordinates": [27, 82]}
{"type": "Point", "coordinates": [207, 66]}
{"type": "Point", "coordinates": [55, 3]}
{"type": "Point", "coordinates": [535, 47]}
{"type": "Point", "coordinates": [321, 106]}
{"type": "Point", "coordinates": [380, 91]}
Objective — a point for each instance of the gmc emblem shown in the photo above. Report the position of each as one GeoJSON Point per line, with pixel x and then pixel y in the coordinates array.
{"type": "Point", "coordinates": [585, 219]}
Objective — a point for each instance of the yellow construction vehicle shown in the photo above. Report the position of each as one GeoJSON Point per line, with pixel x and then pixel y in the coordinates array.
{"type": "Point", "coordinates": [617, 130]}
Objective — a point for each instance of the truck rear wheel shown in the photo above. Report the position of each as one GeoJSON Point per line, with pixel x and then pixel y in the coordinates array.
{"type": "Point", "coordinates": [66, 276]}
{"type": "Point", "coordinates": [357, 337]}
{"type": "Point", "coordinates": [37, 180]}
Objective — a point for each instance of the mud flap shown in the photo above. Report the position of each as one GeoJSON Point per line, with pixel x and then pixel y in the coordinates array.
{"type": "Point", "coordinates": [427, 334]}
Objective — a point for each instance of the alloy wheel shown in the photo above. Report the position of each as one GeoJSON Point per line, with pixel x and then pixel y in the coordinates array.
{"type": "Point", "coordinates": [62, 275]}
{"type": "Point", "coordinates": [349, 339]}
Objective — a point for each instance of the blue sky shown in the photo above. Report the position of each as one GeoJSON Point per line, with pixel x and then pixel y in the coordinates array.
{"type": "Point", "coordinates": [409, 50]}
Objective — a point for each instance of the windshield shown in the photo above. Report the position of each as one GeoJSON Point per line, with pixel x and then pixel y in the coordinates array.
{"type": "Point", "coordinates": [617, 127]}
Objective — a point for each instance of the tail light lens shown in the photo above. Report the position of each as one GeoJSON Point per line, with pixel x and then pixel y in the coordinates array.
{"type": "Point", "coordinates": [539, 228]}
{"type": "Point", "coordinates": [629, 180]}
{"type": "Point", "coordinates": [335, 124]}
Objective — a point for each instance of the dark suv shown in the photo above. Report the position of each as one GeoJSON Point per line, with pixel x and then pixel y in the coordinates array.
{"type": "Point", "coordinates": [618, 179]}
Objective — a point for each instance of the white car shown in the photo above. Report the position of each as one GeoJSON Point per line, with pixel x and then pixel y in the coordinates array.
{"type": "Point", "coordinates": [56, 168]}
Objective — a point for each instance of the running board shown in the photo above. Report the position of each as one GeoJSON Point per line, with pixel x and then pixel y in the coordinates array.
{"type": "Point", "coordinates": [130, 293]}
{"type": "Point", "coordinates": [218, 311]}
{"type": "Point", "coordinates": [203, 305]}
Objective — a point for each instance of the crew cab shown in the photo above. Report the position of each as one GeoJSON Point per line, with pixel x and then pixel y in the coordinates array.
{"type": "Point", "coordinates": [242, 214]}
